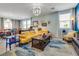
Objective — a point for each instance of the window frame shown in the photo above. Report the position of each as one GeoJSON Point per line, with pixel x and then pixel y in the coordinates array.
{"type": "Point", "coordinates": [70, 26]}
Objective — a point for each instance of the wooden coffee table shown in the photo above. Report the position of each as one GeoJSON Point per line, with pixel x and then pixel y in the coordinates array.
{"type": "Point", "coordinates": [40, 43]}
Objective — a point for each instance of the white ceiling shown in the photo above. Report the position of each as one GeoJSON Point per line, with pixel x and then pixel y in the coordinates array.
{"type": "Point", "coordinates": [24, 10]}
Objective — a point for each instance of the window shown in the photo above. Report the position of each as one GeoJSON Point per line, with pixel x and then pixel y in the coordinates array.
{"type": "Point", "coordinates": [28, 23]}
{"type": "Point", "coordinates": [65, 20]}
{"type": "Point", "coordinates": [7, 24]}
{"type": "Point", "coordinates": [25, 24]}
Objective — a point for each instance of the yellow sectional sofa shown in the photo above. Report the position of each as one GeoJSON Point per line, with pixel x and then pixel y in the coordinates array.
{"type": "Point", "coordinates": [28, 35]}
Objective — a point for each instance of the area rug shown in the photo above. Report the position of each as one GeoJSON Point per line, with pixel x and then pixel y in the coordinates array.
{"type": "Point", "coordinates": [56, 47]}
{"type": "Point", "coordinates": [24, 52]}
{"type": "Point", "coordinates": [55, 43]}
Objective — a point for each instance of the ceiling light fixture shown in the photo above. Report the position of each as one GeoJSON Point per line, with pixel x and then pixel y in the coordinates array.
{"type": "Point", "coordinates": [36, 10]}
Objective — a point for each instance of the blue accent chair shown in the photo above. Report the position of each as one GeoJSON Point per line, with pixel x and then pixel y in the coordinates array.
{"type": "Point", "coordinates": [10, 41]}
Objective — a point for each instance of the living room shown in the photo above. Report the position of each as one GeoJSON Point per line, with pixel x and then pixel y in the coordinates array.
{"type": "Point", "coordinates": [39, 29]}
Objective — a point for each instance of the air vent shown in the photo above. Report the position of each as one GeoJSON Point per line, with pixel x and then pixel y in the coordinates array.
{"type": "Point", "coordinates": [52, 8]}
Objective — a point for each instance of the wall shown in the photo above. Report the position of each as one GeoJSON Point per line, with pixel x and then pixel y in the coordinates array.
{"type": "Point", "coordinates": [54, 19]}
{"type": "Point", "coordinates": [0, 23]}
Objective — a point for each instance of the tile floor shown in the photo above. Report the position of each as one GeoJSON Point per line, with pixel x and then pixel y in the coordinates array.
{"type": "Point", "coordinates": [67, 50]}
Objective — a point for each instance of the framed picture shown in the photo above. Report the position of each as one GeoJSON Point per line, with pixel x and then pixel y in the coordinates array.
{"type": "Point", "coordinates": [44, 24]}
{"type": "Point", "coordinates": [35, 23]}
